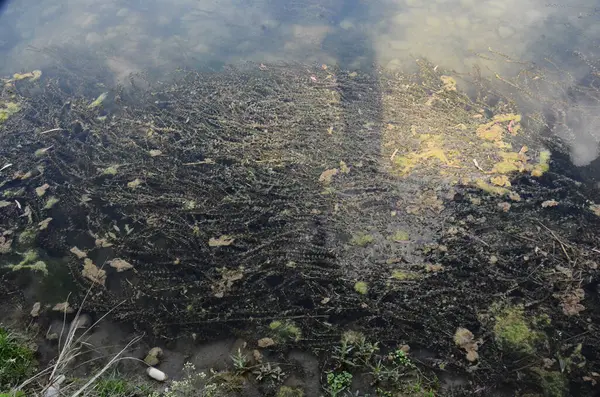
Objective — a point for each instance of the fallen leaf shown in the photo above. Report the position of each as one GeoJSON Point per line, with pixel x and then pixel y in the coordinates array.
{"type": "Point", "coordinates": [266, 342]}
{"type": "Point", "coordinates": [570, 304]}
{"type": "Point", "coordinates": [327, 175]}
{"type": "Point", "coordinates": [35, 311]}
{"type": "Point", "coordinates": [102, 243]}
{"type": "Point", "coordinates": [221, 241]}
{"type": "Point", "coordinates": [5, 243]}
{"type": "Point", "coordinates": [93, 273]}
{"type": "Point", "coordinates": [120, 264]}
{"type": "Point", "coordinates": [79, 253]}
{"type": "Point", "coordinates": [549, 203]}
{"type": "Point", "coordinates": [465, 339]}
{"type": "Point", "coordinates": [63, 307]}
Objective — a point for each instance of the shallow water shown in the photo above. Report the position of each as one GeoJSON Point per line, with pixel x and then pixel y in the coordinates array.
{"type": "Point", "coordinates": [133, 36]}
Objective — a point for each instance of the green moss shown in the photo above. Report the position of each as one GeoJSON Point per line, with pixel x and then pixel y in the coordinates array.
{"type": "Point", "coordinates": [361, 287]}
{"type": "Point", "coordinates": [286, 331]}
{"type": "Point", "coordinates": [512, 330]}
{"type": "Point", "coordinates": [16, 360]}
{"type": "Point", "coordinates": [553, 383]}
{"type": "Point", "coordinates": [113, 387]}
{"type": "Point", "coordinates": [362, 240]}
{"type": "Point", "coordinates": [286, 391]}
{"type": "Point", "coordinates": [400, 236]}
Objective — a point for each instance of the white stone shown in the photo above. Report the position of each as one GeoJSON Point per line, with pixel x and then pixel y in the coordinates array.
{"type": "Point", "coordinates": [156, 374]}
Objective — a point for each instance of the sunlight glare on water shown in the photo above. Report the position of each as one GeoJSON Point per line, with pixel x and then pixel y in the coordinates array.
{"type": "Point", "coordinates": [138, 35]}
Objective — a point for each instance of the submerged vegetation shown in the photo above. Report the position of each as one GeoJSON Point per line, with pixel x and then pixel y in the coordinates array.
{"type": "Point", "coordinates": [360, 217]}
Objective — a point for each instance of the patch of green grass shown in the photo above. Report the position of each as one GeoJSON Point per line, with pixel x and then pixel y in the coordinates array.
{"type": "Point", "coordinates": [16, 360]}
{"type": "Point", "coordinates": [113, 387]}
{"type": "Point", "coordinates": [361, 287]}
{"type": "Point", "coordinates": [513, 331]}
{"type": "Point", "coordinates": [362, 240]}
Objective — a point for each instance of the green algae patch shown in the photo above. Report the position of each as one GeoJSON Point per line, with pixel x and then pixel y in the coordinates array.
{"type": "Point", "coordinates": [362, 240]}
{"type": "Point", "coordinates": [400, 236]}
{"type": "Point", "coordinates": [513, 331]}
{"type": "Point", "coordinates": [30, 262]}
{"type": "Point", "coordinates": [361, 287]}
{"type": "Point", "coordinates": [543, 164]}
{"type": "Point", "coordinates": [8, 109]}
{"type": "Point", "coordinates": [98, 101]}
{"type": "Point", "coordinates": [491, 189]}
{"type": "Point", "coordinates": [401, 275]}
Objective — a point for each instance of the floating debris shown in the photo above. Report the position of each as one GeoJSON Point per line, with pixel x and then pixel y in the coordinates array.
{"type": "Point", "coordinates": [221, 241]}
{"type": "Point", "coordinates": [79, 253]}
{"type": "Point", "coordinates": [154, 153]}
{"type": "Point", "coordinates": [120, 264]}
{"type": "Point", "coordinates": [93, 273]}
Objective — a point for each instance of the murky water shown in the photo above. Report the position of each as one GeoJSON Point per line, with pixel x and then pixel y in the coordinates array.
{"type": "Point", "coordinates": [456, 34]}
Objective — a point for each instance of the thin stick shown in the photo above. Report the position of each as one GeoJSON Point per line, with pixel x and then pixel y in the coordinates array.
{"type": "Point", "coordinates": [52, 130]}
